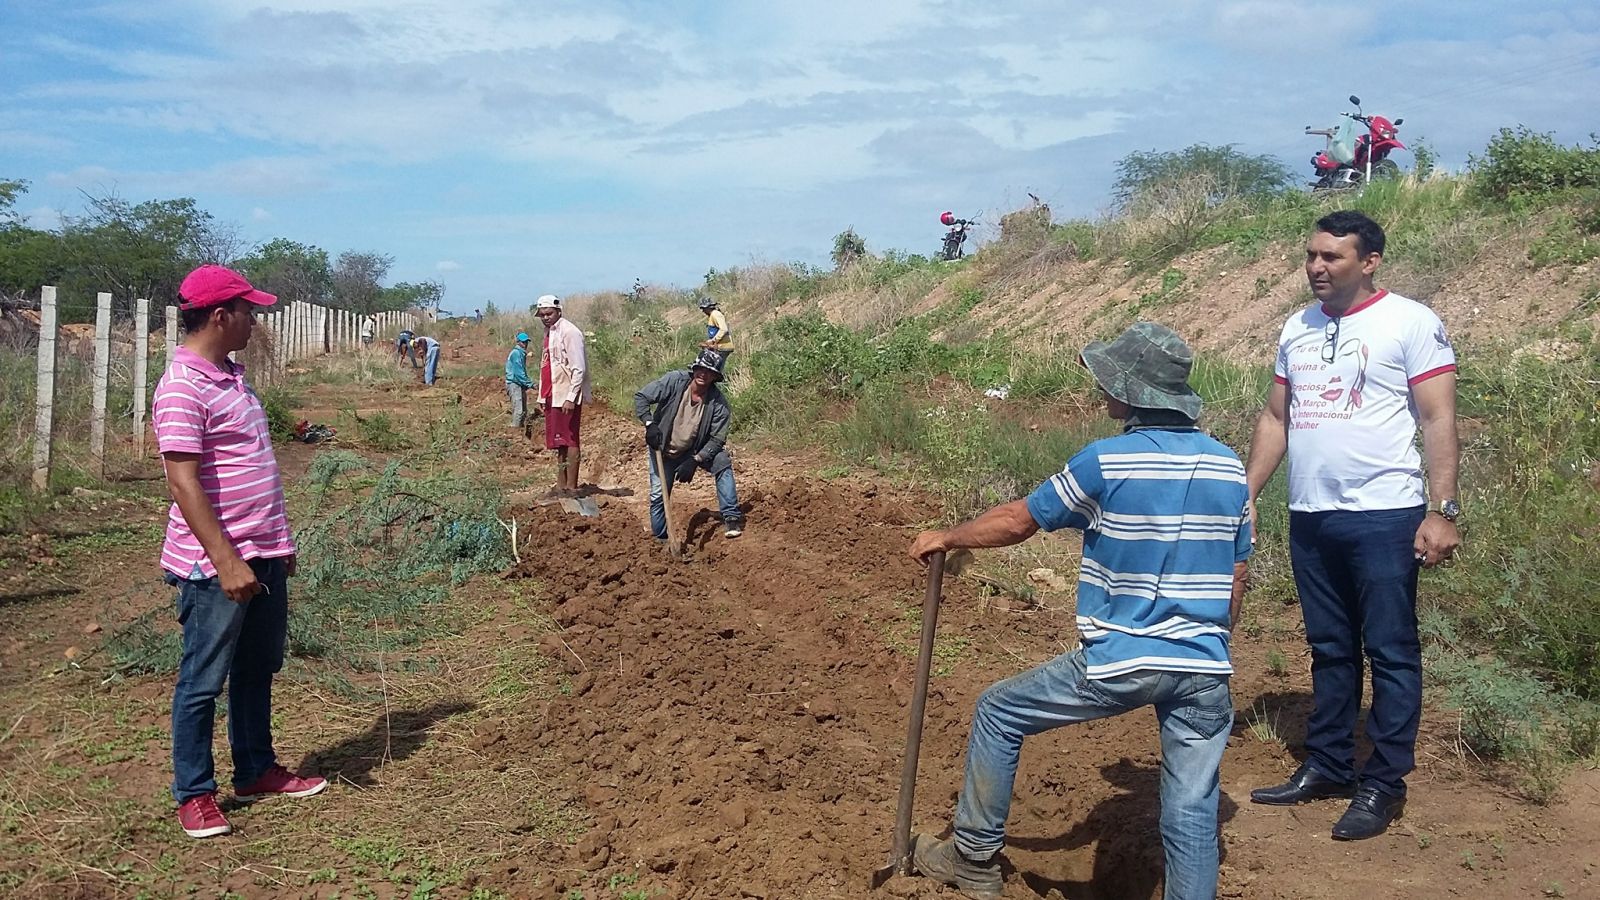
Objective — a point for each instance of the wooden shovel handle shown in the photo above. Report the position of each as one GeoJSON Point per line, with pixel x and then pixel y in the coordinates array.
{"type": "Point", "coordinates": [919, 702]}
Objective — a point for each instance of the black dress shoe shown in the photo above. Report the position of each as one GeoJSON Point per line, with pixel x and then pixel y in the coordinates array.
{"type": "Point", "coordinates": [1305, 784]}
{"type": "Point", "coordinates": [1369, 815]}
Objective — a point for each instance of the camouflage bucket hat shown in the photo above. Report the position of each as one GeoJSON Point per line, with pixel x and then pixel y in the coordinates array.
{"type": "Point", "coordinates": [1146, 367]}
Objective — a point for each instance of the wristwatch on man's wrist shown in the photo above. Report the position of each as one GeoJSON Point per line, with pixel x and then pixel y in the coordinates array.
{"type": "Point", "coordinates": [1450, 509]}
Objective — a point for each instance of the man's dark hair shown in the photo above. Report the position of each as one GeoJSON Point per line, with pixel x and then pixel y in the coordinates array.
{"type": "Point", "coordinates": [195, 319]}
{"type": "Point", "coordinates": [1369, 234]}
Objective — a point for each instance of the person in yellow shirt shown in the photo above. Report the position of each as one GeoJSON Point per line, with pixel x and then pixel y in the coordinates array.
{"type": "Point", "coordinates": [717, 336]}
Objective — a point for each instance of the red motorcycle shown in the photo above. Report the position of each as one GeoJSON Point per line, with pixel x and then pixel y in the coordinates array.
{"type": "Point", "coordinates": [1350, 160]}
{"type": "Point", "coordinates": [955, 237]}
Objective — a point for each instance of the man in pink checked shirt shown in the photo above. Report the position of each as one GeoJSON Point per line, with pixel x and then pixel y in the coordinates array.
{"type": "Point", "coordinates": [228, 551]}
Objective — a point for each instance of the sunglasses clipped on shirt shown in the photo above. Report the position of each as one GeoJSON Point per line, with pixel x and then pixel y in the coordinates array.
{"type": "Point", "coordinates": [1330, 342]}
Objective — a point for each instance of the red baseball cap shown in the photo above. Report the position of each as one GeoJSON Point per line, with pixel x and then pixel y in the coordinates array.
{"type": "Point", "coordinates": [213, 285]}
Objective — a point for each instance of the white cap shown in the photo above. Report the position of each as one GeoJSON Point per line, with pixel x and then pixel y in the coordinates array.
{"type": "Point", "coordinates": [548, 301]}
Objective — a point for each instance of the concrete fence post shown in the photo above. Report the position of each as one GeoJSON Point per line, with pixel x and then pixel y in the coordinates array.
{"type": "Point", "coordinates": [44, 408]}
{"type": "Point", "coordinates": [102, 371]}
{"type": "Point", "coordinates": [141, 367]}
{"type": "Point", "coordinates": [172, 334]}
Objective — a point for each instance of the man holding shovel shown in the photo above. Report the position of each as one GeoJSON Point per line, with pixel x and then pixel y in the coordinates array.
{"type": "Point", "coordinates": [1166, 536]}
{"type": "Point", "coordinates": [686, 421]}
{"type": "Point", "coordinates": [564, 389]}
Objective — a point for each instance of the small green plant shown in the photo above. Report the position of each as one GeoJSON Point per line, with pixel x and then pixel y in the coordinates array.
{"type": "Point", "coordinates": [378, 432]}
{"type": "Point", "coordinates": [1277, 663]}
{"type": "Point", "coordinates": [1469, 861]}
{"type": "Point", "coordinates": [278, 404]}
{"type": "Point", "coordinates": [1554, 889]}
{"type": "Point", "coordinates": [1424, 840]}
{"type": "Point", "coordinates": [1261, 727]}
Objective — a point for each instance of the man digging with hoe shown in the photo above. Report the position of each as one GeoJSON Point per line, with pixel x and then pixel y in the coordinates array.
{"type": "Point", "coordinates": [1162, 509]}
{"type": "Point", "coordinates": [686, 422]}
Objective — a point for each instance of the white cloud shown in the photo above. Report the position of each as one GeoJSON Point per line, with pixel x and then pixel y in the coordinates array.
{"type": "Point", "coordinates": [252, 177]}
{"type": "Point", "coordinates": [259, 215]}
{"type": "Point", "coordinates": [770, 126]}
{"type": "Point", "coordinates": [44, 218]}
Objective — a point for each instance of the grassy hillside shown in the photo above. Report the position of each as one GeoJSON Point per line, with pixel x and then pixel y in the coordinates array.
{"type": "Point", "coordinates": [885, 361]}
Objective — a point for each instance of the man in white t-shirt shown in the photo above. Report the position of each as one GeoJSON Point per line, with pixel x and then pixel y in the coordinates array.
{"type": "Point", "coordinates": [1357, 375]}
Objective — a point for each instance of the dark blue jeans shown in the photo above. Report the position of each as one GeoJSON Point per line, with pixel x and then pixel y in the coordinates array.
{"type": "Point", "coordinates": [1357, 577]}
{"type": "Point", "coordinates": [238, 644]}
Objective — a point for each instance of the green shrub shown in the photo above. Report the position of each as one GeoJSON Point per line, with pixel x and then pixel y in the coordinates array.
{"type": "Point", "coordinates": [1226, 173]}
{"type": "Point", "coordinates": [848, 247]}
{"type": "Point", "coordinates": [1524, 162]}
{"type": "Point", "coordinates": [279, 406]}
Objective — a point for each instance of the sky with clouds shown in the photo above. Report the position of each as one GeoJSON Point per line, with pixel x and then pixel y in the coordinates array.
{"type": "Point", "coordinates": [509, 148]}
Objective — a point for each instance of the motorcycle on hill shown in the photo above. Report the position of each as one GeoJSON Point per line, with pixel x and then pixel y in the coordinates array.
{"type": "Point", "coordinates": [955, 237]}
{"type": "Point", "coordinates": [1350, 160]}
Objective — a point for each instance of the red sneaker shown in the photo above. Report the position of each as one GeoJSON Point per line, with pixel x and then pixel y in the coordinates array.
{"type": "Point", "coordinates": [281, 782]}
{"type": "Point", "coordinates": [201, 818]}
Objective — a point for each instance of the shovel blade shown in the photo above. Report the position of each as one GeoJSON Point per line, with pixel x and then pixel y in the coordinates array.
{"type": "Point", "coordinates": [583, 506]}
{"type": "Point", "coordinates": [882, 875]}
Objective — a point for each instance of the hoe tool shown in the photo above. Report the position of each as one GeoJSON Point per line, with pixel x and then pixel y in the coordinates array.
{"type": "Point", "coordinates": [900, 852]}
{"type": "Point", "coordinates": [674, 534]}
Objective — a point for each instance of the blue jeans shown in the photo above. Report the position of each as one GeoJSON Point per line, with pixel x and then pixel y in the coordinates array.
{"type": "Point", "coordinates": [1356, 574]}
{"type": "Point", "coordinates": [1194, 712]}
{"type": "Point", "coordinates": [240, 644]}
{"type": "Point", "coordinates": [727, 498]}
{"type": "Point", "coordinates": [430, 372]}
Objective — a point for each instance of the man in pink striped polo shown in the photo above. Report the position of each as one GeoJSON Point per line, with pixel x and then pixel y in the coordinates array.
{"type": "Point", "coordinates": [228, 551]}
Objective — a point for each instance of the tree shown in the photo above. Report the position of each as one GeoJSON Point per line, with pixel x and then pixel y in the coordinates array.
{"type": "Point", "coordinates": [290, 269]}
{"type": "Point", "coordinates": [847, 248]}
{"type": "Point", "coordinates": [29, 257]}
{"type": "Point", "coordinates": [10, 190]}
{"type": "Point", "coordinates": [405, 295]}
{"type": "Point", "coordinates": [135, 250]}
{"type": "Point", "coordinates": [1225, 172]}
{"type": "Point", "coordinates": [358, 281]}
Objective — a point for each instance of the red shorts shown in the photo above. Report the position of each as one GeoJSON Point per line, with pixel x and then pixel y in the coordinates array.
{"type": "Point", "coordinates": [561, 428]}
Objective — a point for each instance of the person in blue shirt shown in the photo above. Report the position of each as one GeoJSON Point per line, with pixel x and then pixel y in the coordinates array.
{"type": "Point", "coordinates": [517, 380]}
{"type": "Point", "coordinates": [403, 347]}
{"type": "Point", "coordinates": [1166, 536]}
{"type": "Point", "coordinates": [429, 347]}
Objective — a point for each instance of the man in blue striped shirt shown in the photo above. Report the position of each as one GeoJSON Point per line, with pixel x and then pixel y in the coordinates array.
{"type": "Point", "coordinates": [1166, 536]}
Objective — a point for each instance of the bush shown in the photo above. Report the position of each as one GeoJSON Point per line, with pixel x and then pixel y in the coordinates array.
{"type": "Point", "coordinates": [1224, 173]}
{"type": "Point", "coordinates": [848, 247]}
{"type": "Point", "coordinates": [279, 405]}
{"type": "Point", "coordinates": [1522, 162]}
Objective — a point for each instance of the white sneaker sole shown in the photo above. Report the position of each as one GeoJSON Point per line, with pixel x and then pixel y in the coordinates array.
{"type": "Point", "coordinates": [308, 792]}
{"type": "Point", "coordinates": [213, 831]}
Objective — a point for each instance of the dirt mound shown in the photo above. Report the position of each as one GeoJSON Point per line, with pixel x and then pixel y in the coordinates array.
{"type": "Point", "coordinates": [713, 707]}
{"type": "Point", "coordinates": [734, 723]}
